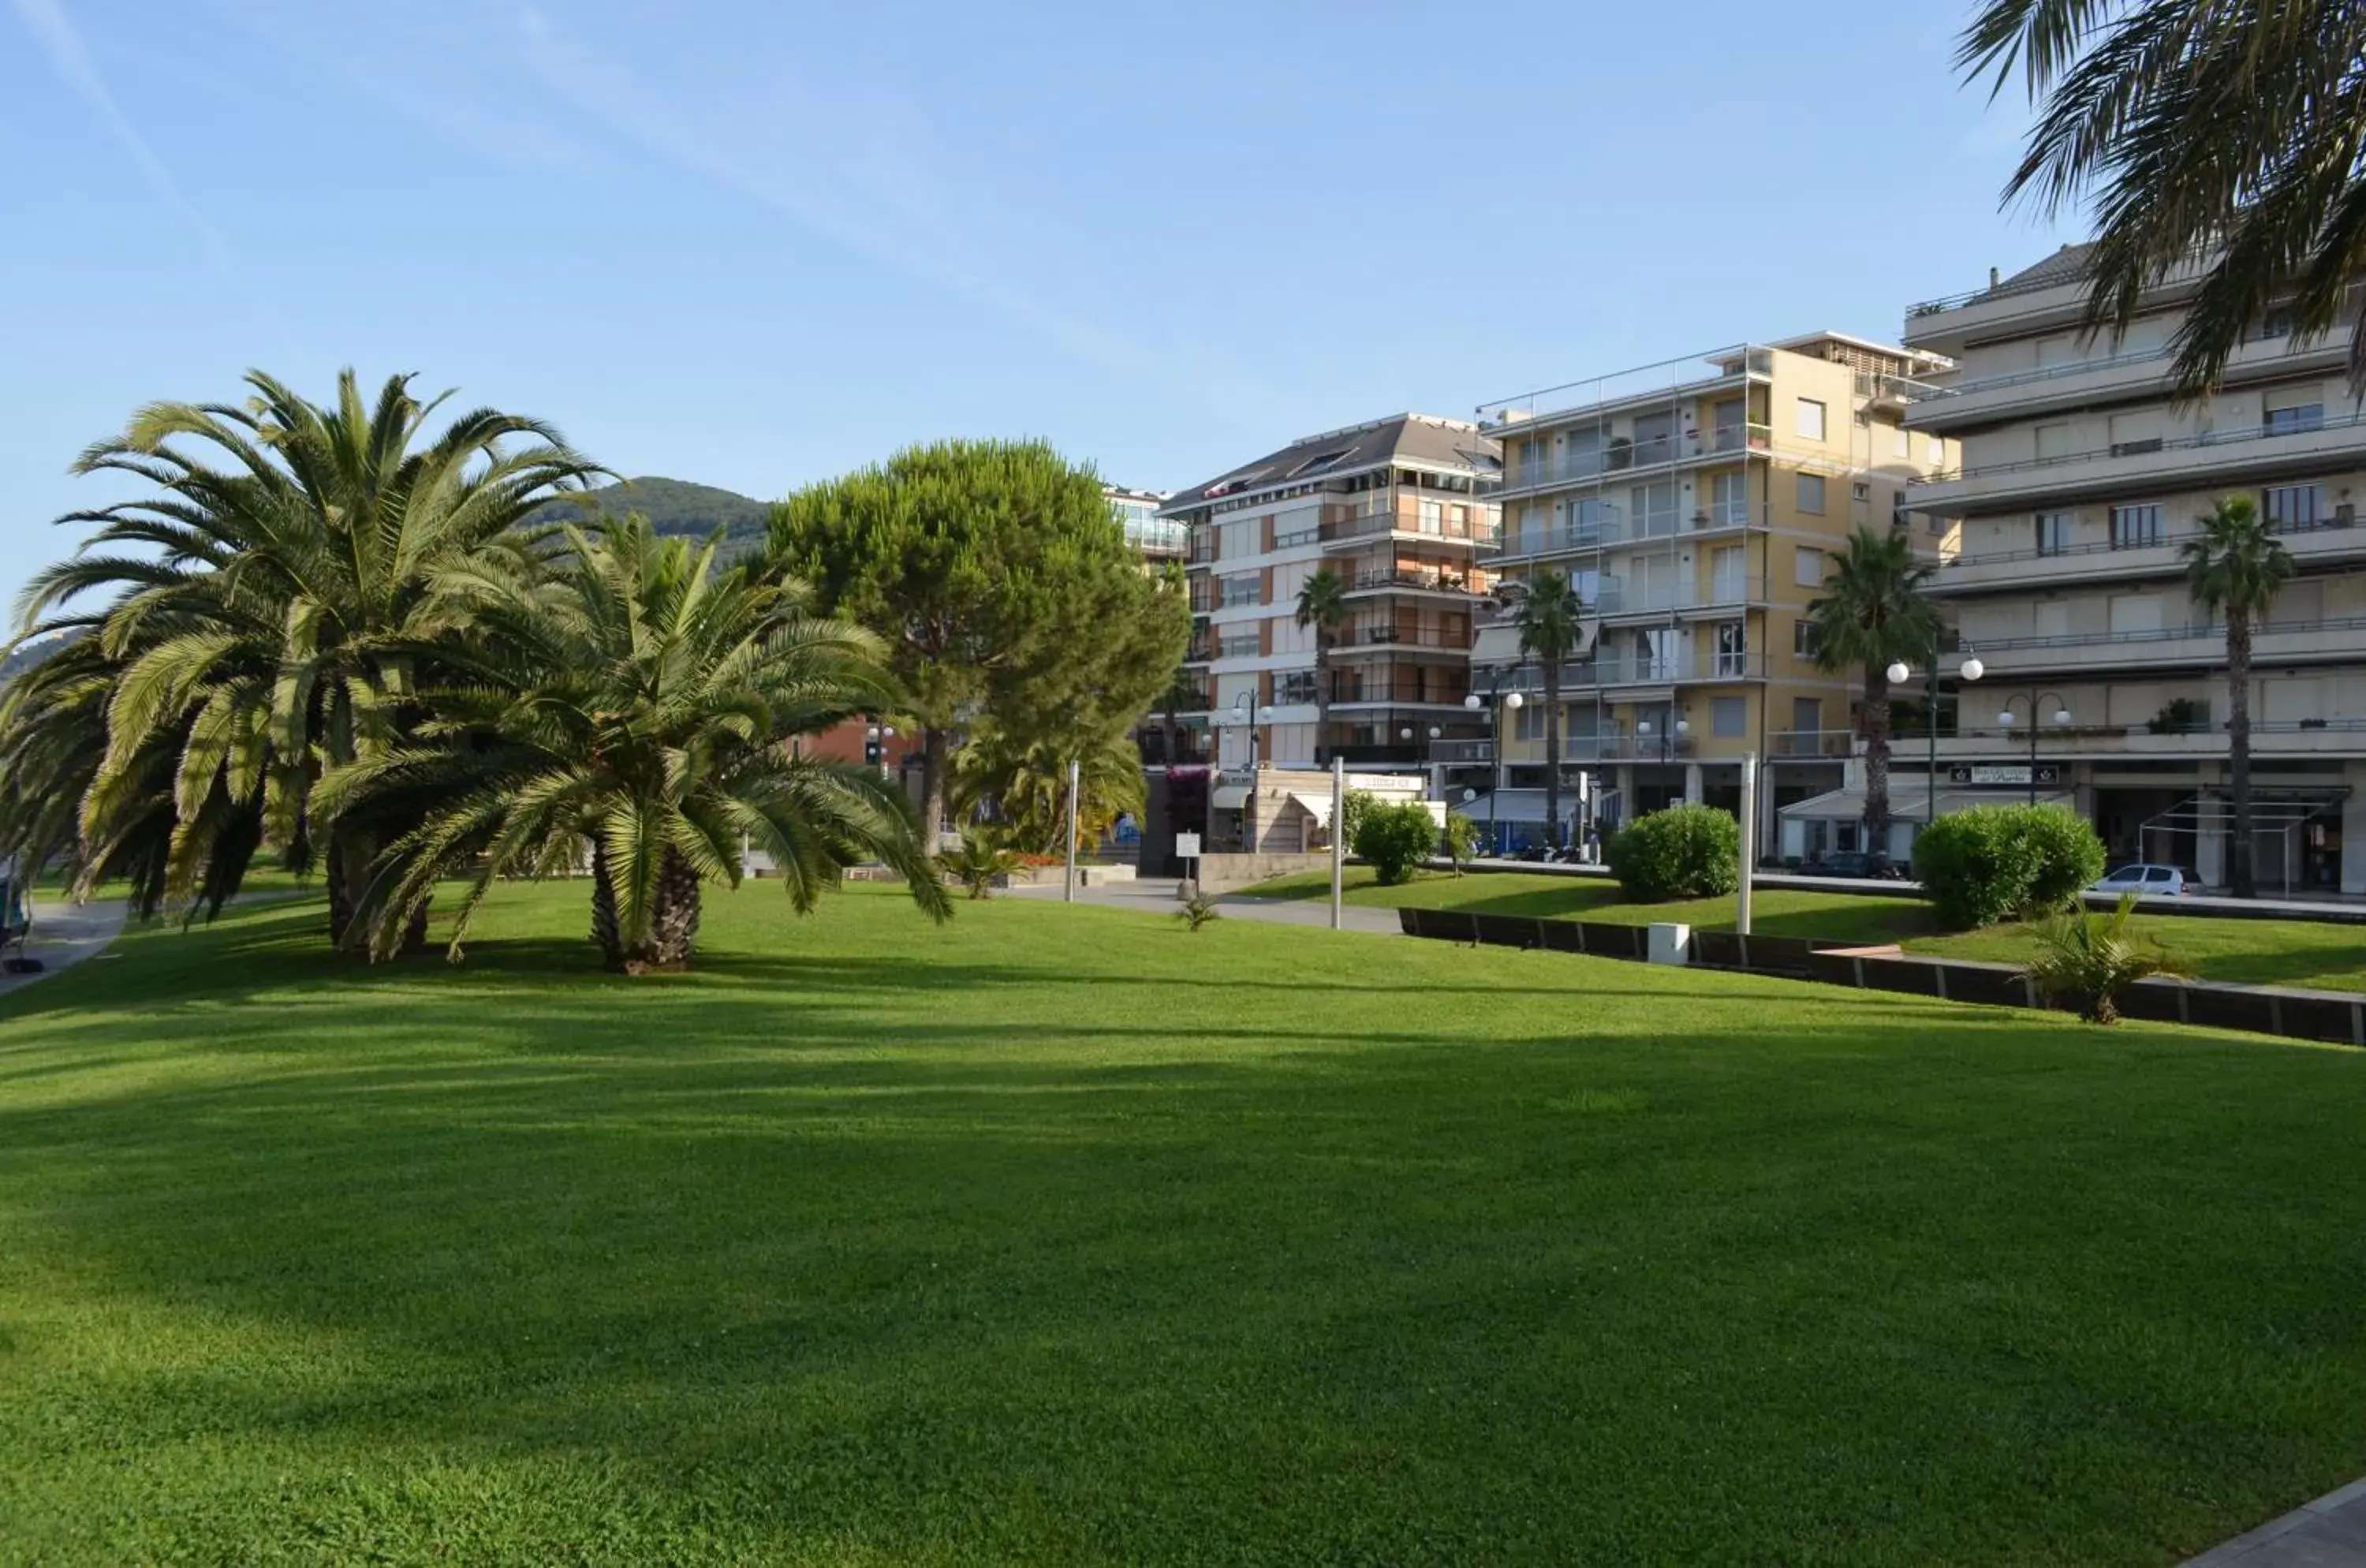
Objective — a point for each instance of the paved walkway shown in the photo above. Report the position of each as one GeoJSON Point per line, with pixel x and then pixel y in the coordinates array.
{"type": "Point", "coordinates": [2327, 1533]}
{"type": "Point", "coordinates": [65, 935]}
{"type": "Point", "coordinates": [1155, 896]}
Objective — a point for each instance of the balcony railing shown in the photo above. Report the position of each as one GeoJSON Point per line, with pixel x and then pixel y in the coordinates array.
{"type": "Point", "coordinates": [1367, 524]}
{"type": "Point", "coordinates": [1613, 669]}
{"type": "Point", "coordinates": [2167, 443]}
{"type": "Point", "coordinates": [1811, 743]}
{"type": "Point", "coordinates": [1666, 382]}
{"type": "Point", "coordinates": [1250, 647]}
{"type": "Point", "coordinates": [1614, 528]}
{"type": "Point", "coordinates": [1462, 750]}
{"type": "Point", "coordinates": [1432, 582]}
{"type": "Point", "coordinates": [1625, 454]}
{"type": "Point", "coordinates": [2173, 634]}
{"type": "Point", "coordinates": [2109, 546]}
{"type": "Point", "coordinates": [1406, 636]}
{"type": "Point", "coordinates": [1620, 599]}
{"type": "Point", "coordinates": [1297, 538]}
{"type": "Point", "coordinates": [1396, 692]}
{"type": "Point", "coordinates": [1623, 747]}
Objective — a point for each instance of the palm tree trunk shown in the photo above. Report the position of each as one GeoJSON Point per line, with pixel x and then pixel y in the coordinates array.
{"type": "Point", "coordinates": [2239, 872]}
{"type": "Point", "coordinates": [1877, 759]}
{"type": "Point", "coordinates": [349, 872]}
{"type": "Point", "coordinates": [606, 928]}
{"type": "Point", "coordinates": [1171, 732]}
{"type": "Point", "coordinates": [1321, 698]}
{"type": "Point", "coordinates": [1552, 753]}
{"type": "Point", "coordinates": [674, 923]}
{"type": "Point", "coordinates": [936, 747]}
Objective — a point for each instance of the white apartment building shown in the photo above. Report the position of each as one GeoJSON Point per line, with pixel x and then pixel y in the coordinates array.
{"type": "Point", "coordinates": [1404, 509]}
{"type": "Point", "coordinates": [2081, 477]}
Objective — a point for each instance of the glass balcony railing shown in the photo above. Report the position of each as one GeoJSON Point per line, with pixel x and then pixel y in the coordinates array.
{"type": "Point", "coordinates": [1625, 454]}
{"type": "Point", "coordinates": [2155, 447]}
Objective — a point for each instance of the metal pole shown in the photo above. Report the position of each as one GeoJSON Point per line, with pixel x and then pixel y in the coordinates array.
{"type": "Point", "coordinates": [1749, 837]}
{"type": "Point", "coordinates": [1931, 733]}
{"type": "Point", "coordinates": [1494, 764]}
{"type": "Point", "coordinates": [1338, 837]}
{"type": "Point", "coordinates": [1069, 891]}
{"type": "Point", "coordinates": [2033, 747]}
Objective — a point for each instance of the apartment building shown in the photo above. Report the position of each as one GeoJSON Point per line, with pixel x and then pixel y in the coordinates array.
{"type": "Point", "coordinates": [1404, 509]}
{"type": "Point", "coordinates": [2081, 477]}
{"type": "Point", "coordinates": [1158, 539]}
{"type": "Point", "coordinates": [1695, 505]}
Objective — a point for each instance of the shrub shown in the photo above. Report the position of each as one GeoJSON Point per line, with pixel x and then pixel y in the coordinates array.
{"type": "Point", "coordinates": [1684, 851]}
{"type": "Point", "coordinates": [982, 859]}
{"type": "Point", "coordinates": [1394, 840]}
{"type": "Point", "coordinates": [2088, 959]}
{"type": "Point", "coordinates": [2000, 862]}
{"type": "Point", "coordinates": [1197, 912]}
{"type": "Point", "coordinates": [1352, 807]}
{"type": "Point", "coordinates": [1461, 840]}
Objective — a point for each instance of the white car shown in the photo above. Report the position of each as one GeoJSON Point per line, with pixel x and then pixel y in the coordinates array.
{"type": "Point", "coordinates": [2145, 881]}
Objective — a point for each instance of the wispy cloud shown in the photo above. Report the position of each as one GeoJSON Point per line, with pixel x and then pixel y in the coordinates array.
{"type": "Point", "coordinates": [70, 57]}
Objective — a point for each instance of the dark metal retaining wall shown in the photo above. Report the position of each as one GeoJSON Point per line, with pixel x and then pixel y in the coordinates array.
{"type": "Point", "coordinates": [2337, 1017]}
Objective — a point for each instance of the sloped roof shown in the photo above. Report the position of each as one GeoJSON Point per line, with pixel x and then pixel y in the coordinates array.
{"type": "Point", "coordinates": [1423, 440]}
{"type": "Point", "coordinates": [2065, 266]}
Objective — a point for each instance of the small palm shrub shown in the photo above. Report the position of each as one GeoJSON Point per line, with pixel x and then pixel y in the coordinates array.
{"type": "Point", "coordinates": [2088, 958]}
{"type": "Point", "coordinates": [1197, 912]}
{"type": "Point", "coordinates": [1684, 851]}
{"type": "Point", "coordinates": [1395, 840]}
{"type": "Point", "coordinates": [1461, 840]}
{"type": "Point", "coordinates": [982, 860]}
{"type": "Point", "coordinates": [2001, 862]}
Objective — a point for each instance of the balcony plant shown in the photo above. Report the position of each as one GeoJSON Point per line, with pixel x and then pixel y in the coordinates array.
{"type": "Point", "coordinates": [2179, 715]}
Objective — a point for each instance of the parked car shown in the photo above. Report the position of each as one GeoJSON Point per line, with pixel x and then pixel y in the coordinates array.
{"type": "Point", "coordinates": [2146, 881]}
{"type": "Point", "coordinates": [1849, 862]}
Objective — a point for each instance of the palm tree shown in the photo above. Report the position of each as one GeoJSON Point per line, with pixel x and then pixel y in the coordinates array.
{"type": "Point", "coordinates": [2229, 127]}
{"type": "Point", "coordinates": [641, 702]}
{"type": "Point", "coordinates": [2088, 959]}
{"type": "Point", "coordinates": [1182, 695]}
{"type": "Point", "coordinates": [2234, 566]}
{"type": "Point", "coordinates": [1551, 619]}
{"type": "Point", "coordinates": [1024, 774]}
{"type": "Point", "coordinates": [288, 612]}
{"type": "Point", "coordinates": [1871, 614]}
{"type": "Point", "coordinates": [1323, 605]}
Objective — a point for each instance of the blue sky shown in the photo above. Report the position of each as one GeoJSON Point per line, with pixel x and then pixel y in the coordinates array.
{"type": "Point", "coordinates": [756, 245]}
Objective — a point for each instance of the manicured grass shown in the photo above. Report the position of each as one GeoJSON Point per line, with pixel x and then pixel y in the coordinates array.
{"type": "Point", "coordinates": [1064, 1235]}
{"type": "Point", "coordinates": [2261, 953]}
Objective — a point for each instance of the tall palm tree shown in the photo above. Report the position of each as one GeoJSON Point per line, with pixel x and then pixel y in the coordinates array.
{"type": "Point", "coordinates": [1323, 605]}
{"type": "Point", "coordinates": [1872, 613]}
{"type": "Point", "coordinates": [2224, 126]}
{"type": "Point", "coordinates": [638, 700]}
{"type": "Point", "coordinates": [1551, 619]}
{"type": "Point", "coordinates": [2234, 566]}
{"type": "Point", "coordinates": [289, 610]}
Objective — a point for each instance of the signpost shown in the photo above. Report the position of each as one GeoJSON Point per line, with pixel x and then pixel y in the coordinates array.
{"type": "Point", "coordinates": [1338, 834]}
{"type": "Point", "coordinates": [1749, 837]}
{"type": "Point", "coordinates": [1187, 849]}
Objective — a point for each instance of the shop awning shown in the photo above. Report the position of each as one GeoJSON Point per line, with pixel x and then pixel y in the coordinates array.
{"type": "Point", "coordinates": [1907, 803]}
{"type": "Point", "coordinates": [1229, 797]}
{"type": "Point", "coordinates": [1316, 804]}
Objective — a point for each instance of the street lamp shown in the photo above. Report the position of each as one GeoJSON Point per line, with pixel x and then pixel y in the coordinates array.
{"type": "Point", "coordinates": [1473, 703]}
{"type": "Point", "coordinates": [1971, 669]}
{"type": "Point", "coordinates": [2061, 721]}
{"type": "Point", "coordinates": [1244, 713]}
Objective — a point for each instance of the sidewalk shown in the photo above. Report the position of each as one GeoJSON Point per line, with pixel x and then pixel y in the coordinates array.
{"type": "Point", "coordinates": [65, 935]}
{"type": "Point", "coordinates": [2327, 1533]}
{"type": "Point", "coordinates": [1155, 896]}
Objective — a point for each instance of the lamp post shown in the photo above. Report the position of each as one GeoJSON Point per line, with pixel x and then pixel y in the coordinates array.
{"type": "Point", "coordinates": [1474, 702]}
{"type": "Point", "coordinates": [1969, 671]}
{"type": "Point", "coordinates": [2061, 721]}
{"type": "Point", "coordinates": [1245, 713]}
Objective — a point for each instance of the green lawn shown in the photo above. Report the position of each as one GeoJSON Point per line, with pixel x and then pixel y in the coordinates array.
{"type": "Point", "coordinates": [1064, 1235]}
{"type": "Point", "coordinates": [2277, 952]}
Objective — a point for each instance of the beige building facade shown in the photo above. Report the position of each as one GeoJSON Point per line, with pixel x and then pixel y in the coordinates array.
{"type": "Point", "coordinates": [2081, 478]}
{"type": "Point", "coordinates": [1697, 506]}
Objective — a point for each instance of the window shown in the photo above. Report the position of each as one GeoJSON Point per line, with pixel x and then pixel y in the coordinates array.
{"type": "Point", "coordinates": [1294, 686]}
{"type": "Point", "coordinates": [2275, 322]}
{"type": "Point", "coordinates": [1860, 491]}
{"type": "Point", "coordinates": [1807, 714]}
{"type": "Point", "coordinates": [1248, 588]}
{"type": "Point", "coordinates": [2137, 433]}
{"type": "Point", "coordinates": [1729, 503]}
{"type": "Point", "coordinates": [1901, 443]}
{"type": "Point", "coordinates": [1938, 451]}
{"type": "Point", "coordinates": [1811, 419]}
{"type": "Point", "coordinates": [2053, 533]}
{"type": "Point", "coordinates": [1807, 644]}
{"type": "Point", "coordinates": [1728, 716]}
{"type": "Point", "coordinates": [1811, 493]}
{"type": "Point", "coordinates": [1433, 517]}
{"type": "Point", "coordinates": [1808, 567]}
{"type": "Point", "coordinates": [1528, 724]}
{"type": "Point", "coordinates": [1732, 651]}
{"type": "Point", "coordinates": [2296, 507]}
{"type": "Point", "coordinates": [2294, 409]}
{"type": "Point", "coordinates": [2053, 442]}
{"type": "Point", "coordinates": [2135, 528]}
{"type": "Point", "coordinates": [1653, 507]}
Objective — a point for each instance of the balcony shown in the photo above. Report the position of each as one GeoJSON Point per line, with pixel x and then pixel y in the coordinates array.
{"type": "Point", "coordinates": [1613, 669]}
{"type": "Point", "coordinates": [2283, 737]}
{"type": "Point", "coordinates": [1404, 693]}
{"type": "Point", "coordinates": [1626, 455]}
{"type": "Point", "coordinates": [1799, 744]}
{"type": "Point", "coordinates": [1379, 525]}
{"type": "Point", "coordinates": [2211, 458]}
{"type": "Point", "coordinates": [1392, 636]}
{"type": "Point", "coordinates": [1621, 599]}
{"type": "Point", "coordinates": [2106, 376]}
{"type": "Point", "coordinates": [1461, 752]}
{"type": "Point", "coordinates": [2333, 639]}
{"type": "Point", "coordinates": [1401, 581]}
{"type": "Point", "coordinates": [2099, 560]}
{"type": "Point", "coordinates": [1656, 386]}
{"type": "Point", "coordinates": [1614, 527]}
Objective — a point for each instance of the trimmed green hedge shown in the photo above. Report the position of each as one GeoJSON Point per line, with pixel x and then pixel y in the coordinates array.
{"type": "Point", "coordinates": [2003, 863]}
{"type": "Point", "coordinates": [1394, 840]}
{"type": "Point", "coordinates": [1684, 851]}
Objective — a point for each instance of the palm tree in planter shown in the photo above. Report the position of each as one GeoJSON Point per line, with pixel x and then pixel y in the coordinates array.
{"type": "Point", "coordinates": [2234, 566]}
{"type": "Point", "coordinates": [1872, 613]}
{"type": "Point", "coordinates": [1322, 607]}
{"type": "Point", "coordinates": [1551, 619]}
{"type": "Point", "coordinates": [642, 702]}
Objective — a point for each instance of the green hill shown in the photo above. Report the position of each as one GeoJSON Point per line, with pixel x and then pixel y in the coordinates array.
{"type": "Point", "coordinates": [678, 506]}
